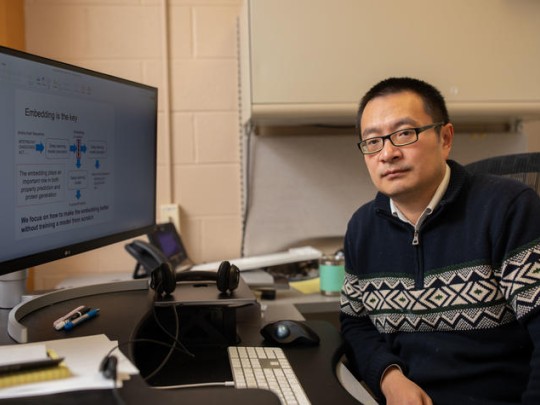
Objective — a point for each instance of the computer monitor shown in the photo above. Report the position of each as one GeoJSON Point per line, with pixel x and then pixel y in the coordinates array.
{"type": "Point", "coordinates": [77, 160]}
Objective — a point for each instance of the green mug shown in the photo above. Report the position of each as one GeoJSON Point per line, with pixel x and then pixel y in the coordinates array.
{"type": "Point", "coordinates": [331, 273]}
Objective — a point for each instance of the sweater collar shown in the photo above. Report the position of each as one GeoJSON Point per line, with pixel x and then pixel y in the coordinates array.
{"type": "Point", "coordinates": [437, 197]}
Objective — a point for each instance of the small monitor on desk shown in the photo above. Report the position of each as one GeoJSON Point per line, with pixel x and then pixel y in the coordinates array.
{"type": "Point", "coordinates": [167, 239]}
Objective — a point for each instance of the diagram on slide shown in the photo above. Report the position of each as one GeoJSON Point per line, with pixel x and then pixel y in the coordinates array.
{"type": "Point", "coordinates": [64, 159]}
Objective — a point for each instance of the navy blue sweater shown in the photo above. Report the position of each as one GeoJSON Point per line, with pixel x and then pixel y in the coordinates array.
{"type": "Point", "coordinates": [460, 311]}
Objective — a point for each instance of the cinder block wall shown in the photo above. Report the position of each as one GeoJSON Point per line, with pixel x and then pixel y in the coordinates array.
{"type": "Point", "coordinates": [199, 162]}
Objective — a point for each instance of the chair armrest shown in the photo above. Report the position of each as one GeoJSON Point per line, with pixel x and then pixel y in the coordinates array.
{"type": "Point", "coordinates": [351, 384]}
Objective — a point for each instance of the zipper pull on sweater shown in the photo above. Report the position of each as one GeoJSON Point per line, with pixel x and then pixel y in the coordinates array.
{"type": "Point", "coordinates": [416, 238]}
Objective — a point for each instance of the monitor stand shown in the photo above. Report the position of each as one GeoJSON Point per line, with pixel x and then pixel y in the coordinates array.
{"type": "Point", "coordinates": [12, 288]}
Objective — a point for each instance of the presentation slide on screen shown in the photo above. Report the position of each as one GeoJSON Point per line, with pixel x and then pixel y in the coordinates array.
{"type": "Point", "coordinates": [64, 154]}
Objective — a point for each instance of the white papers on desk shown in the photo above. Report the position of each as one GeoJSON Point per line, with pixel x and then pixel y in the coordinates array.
{"type": "Point", "coordinates": [257, 278]}
{"type": "Point", "coordinates": [83, 356]}
{"type": "Point", "coordinates": [16, 354]}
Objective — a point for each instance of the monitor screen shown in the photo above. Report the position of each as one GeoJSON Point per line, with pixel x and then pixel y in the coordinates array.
{"type": "Point", "coordinates": [77, 160]}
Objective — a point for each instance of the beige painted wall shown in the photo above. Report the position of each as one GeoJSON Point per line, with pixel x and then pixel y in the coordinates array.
{"type": "Point", "coordinates": [130, 38]}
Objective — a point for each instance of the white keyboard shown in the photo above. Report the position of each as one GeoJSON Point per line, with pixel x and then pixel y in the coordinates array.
{"type": "Point", "coordinates": [267, 368]}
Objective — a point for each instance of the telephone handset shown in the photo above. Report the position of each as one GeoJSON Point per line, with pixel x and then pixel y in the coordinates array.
{"type": "Point", "coordinates": [155, 265]}
{"type": "Point", "coordinates": [147, 256]}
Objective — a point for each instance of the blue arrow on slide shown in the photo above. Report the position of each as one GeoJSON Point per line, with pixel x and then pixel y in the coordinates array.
{"type": "Point", "coordinates": [78, 163]}
{"type": "Point", "coordinates": [97, 164]}
{"type": "Point", "coordinates": [40, 147]}
{"type": "Point", "coordinates": [78, 194]}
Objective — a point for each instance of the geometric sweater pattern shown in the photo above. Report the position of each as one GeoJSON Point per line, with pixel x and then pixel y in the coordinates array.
{"type": "Point", "coordinates": [469, 298]}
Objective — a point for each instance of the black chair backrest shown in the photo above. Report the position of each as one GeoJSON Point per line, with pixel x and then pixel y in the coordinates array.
{"type": "Point", "coordinates": [524, 167]}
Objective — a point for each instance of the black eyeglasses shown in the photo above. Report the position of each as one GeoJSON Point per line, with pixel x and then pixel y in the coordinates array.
{"type": "Point", "coordinates": [401, 137]}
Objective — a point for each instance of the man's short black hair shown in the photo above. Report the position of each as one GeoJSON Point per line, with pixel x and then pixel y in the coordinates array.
{"type": "Point", "coordinates": [434, 103]}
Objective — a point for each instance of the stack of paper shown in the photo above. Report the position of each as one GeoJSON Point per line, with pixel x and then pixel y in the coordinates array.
{"type": "Point", "coordinates": [82, 357]}
{"type": "Point", "coordinates": [24, 365]}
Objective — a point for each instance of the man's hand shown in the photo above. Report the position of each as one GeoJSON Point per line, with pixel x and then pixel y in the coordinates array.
{"type": "Point", "coordinates": [399, 390]}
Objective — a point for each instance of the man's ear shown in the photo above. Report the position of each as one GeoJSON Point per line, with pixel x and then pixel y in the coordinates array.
{"type": "Point", "coordinates": [447, 136]}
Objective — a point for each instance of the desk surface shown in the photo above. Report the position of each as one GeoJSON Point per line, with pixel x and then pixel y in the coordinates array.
{"type": "Point", "coordinates": [122, 311]}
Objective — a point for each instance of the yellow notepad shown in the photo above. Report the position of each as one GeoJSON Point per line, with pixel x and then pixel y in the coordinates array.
{"type": "Point", "coordinates": [310, 286]}
{"type": "Point", "coordinates": [37, 375]}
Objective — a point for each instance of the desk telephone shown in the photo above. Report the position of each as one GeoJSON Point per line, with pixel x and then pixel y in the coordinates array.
{"type": "Point", "coordinates": [162, 268]}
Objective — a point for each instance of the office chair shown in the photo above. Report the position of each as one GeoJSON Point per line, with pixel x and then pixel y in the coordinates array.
{"type": "Point", "coordinates": [524, 167]}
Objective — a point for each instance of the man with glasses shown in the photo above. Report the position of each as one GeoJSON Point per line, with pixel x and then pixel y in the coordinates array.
{"type": "Point", "coordinates": [441, 299]}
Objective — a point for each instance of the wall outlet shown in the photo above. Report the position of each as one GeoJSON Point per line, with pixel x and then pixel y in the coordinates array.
{"type": "Point", "coordinates": [170, 213]}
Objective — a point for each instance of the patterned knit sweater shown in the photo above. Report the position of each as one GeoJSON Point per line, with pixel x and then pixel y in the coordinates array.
{"type": "Point", "coordinates": [459, 312]}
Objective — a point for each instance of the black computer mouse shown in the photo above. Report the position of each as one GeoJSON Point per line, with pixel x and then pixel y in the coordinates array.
{"type": "Point", "coordinates": [287, 332]}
